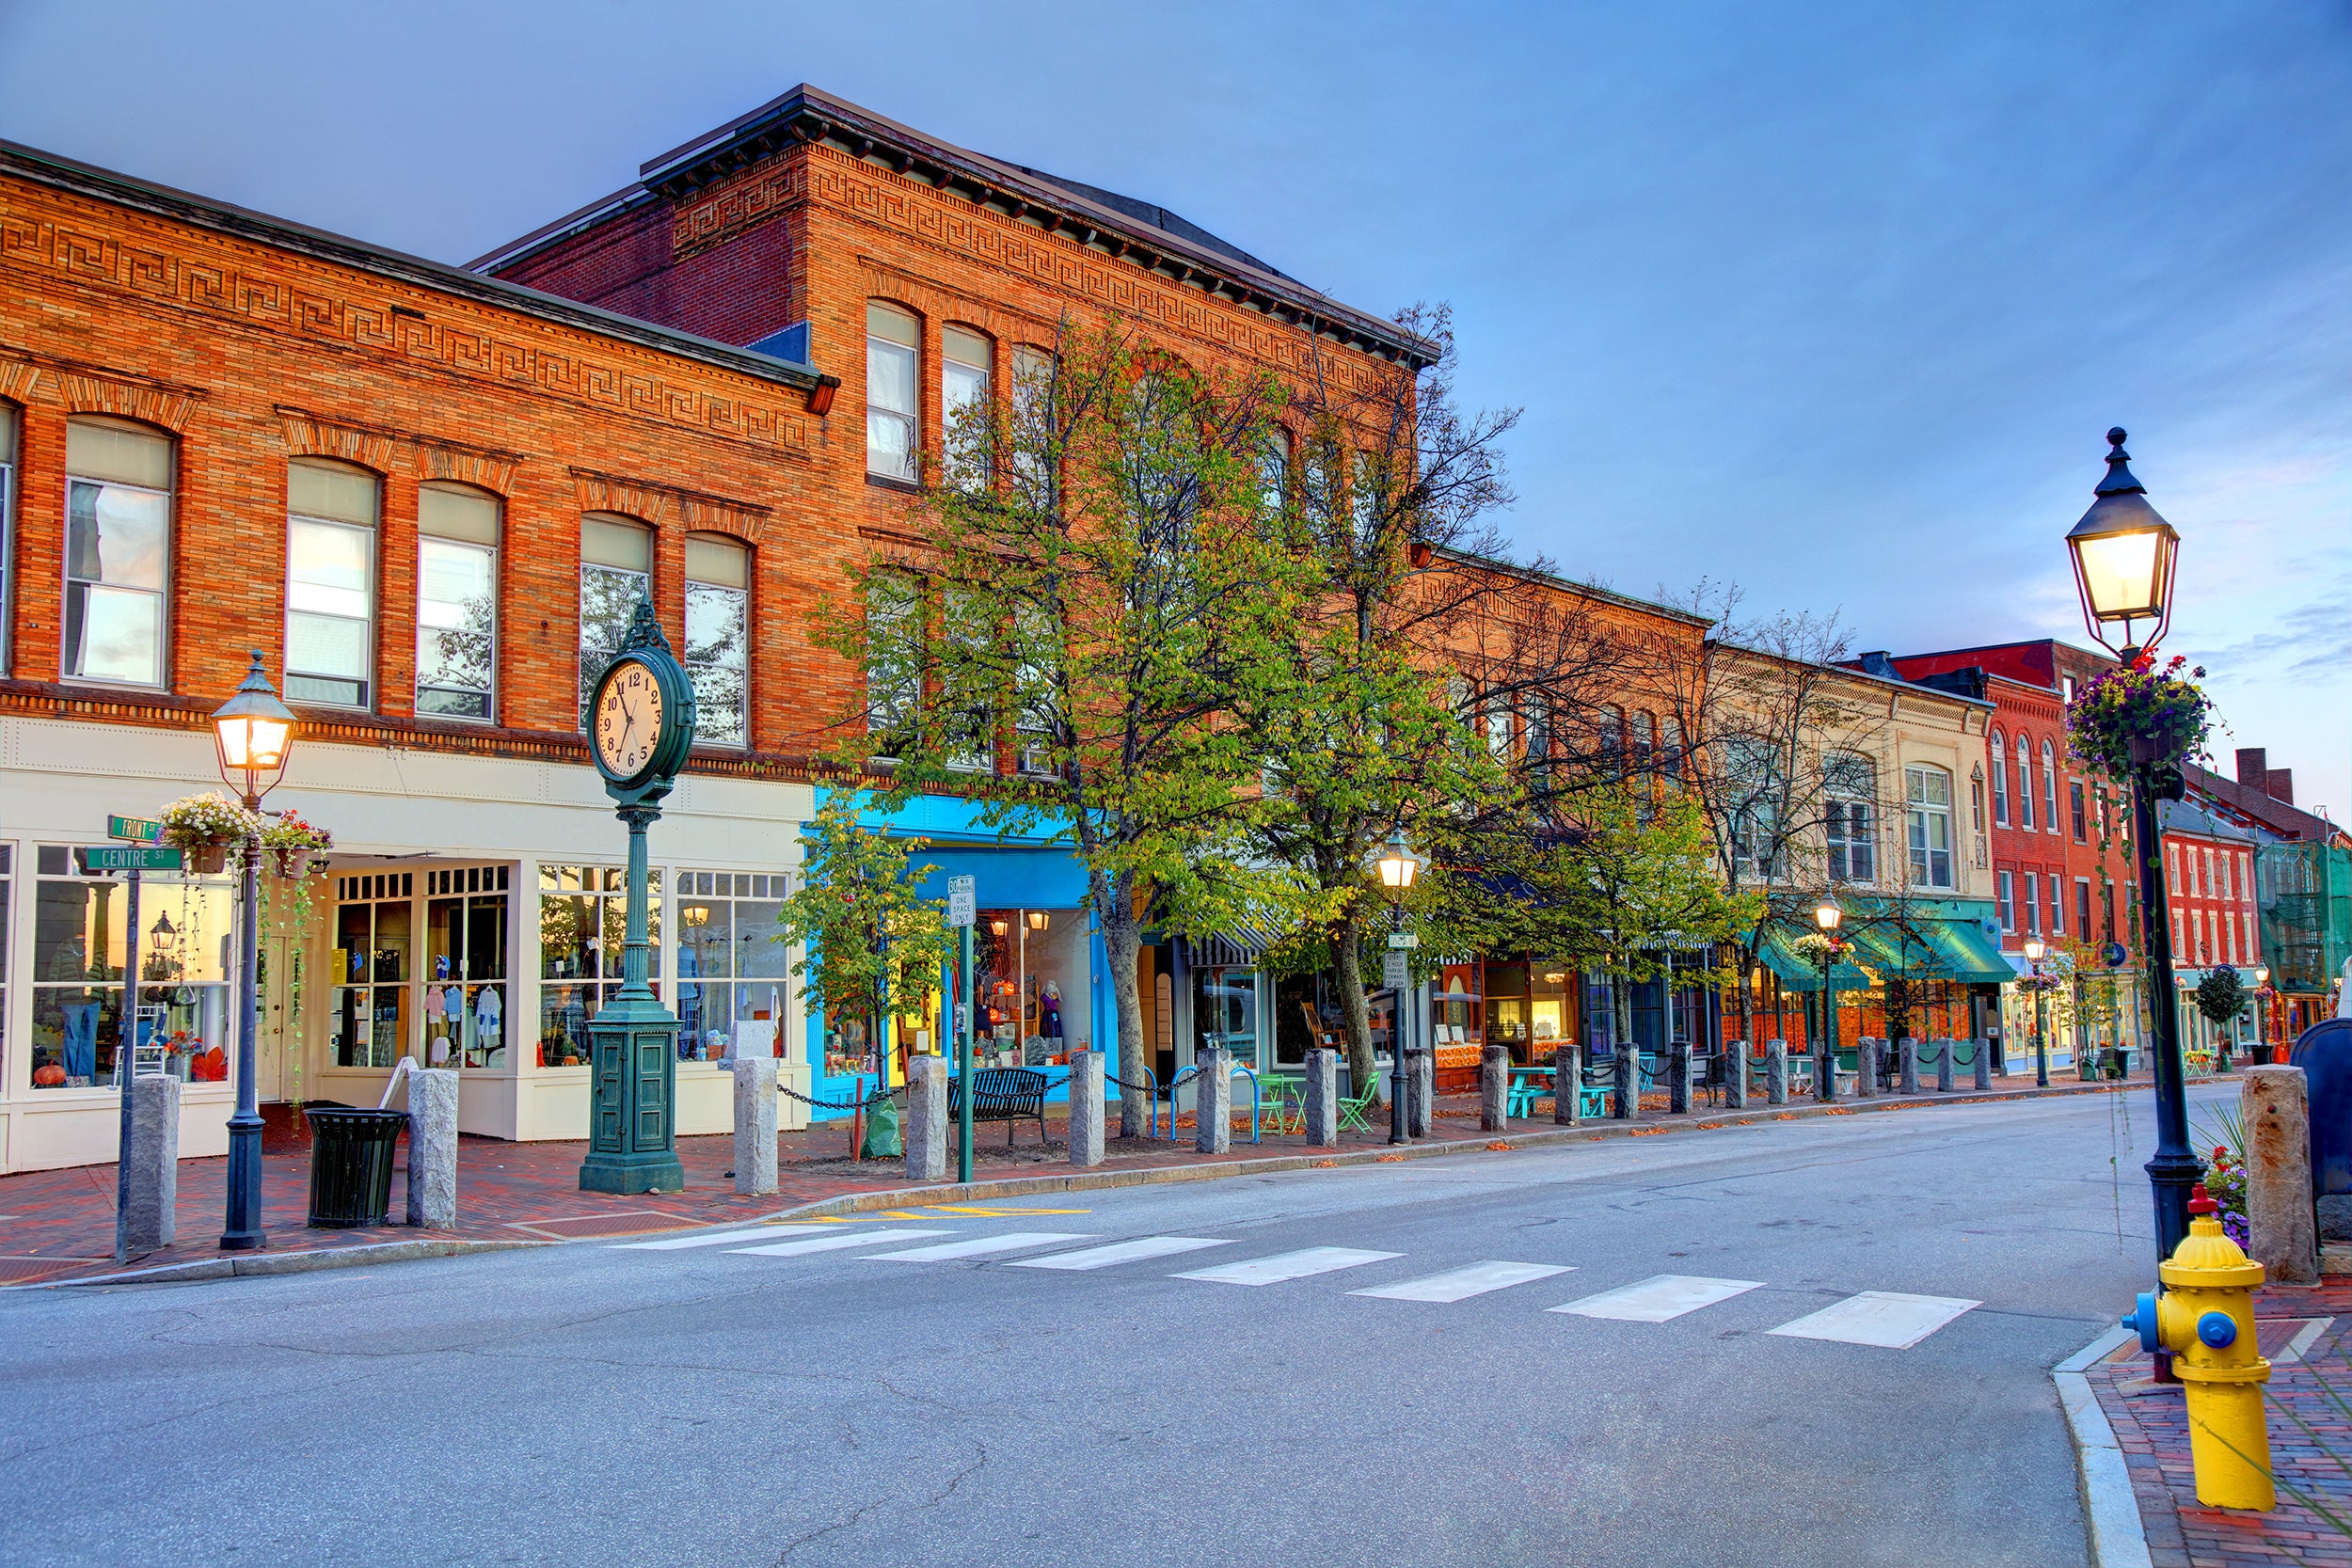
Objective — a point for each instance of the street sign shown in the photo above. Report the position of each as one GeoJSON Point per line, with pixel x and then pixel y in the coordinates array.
{"type": "Point", "coordinates": [109, 857]}
{"type": "Point", "coordinates": [1396, 972]}
{"type": "Point", "coordinates": [961, 904]}
{"type": "Point", "coordinates": [1403, 942]}
{"type": "Point", "coordinates": [138, 829]}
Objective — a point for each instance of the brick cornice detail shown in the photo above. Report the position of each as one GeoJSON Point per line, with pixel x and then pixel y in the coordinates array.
{"type": "Point", "coordinates": [87, 389]}
{"type": "Point", "coordinates": [383, 448]}
{"type": "Point", "coordinates": [663, 505]}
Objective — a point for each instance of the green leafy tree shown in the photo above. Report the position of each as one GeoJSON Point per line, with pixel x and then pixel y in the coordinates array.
{"type": "Point", "coordinates": [2221, 995]}
{"type": "Point", "coordinates": [866, 933]}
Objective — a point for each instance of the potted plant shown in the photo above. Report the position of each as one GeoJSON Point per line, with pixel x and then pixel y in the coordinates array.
{"type": "Point", "coordinates": [204, 826]}
{"type": "Point", "coordinates": [2138, 716]}
{"type": "Point", "coordinates": [300, 846]}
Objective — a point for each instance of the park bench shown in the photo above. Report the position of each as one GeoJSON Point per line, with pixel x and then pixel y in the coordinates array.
{"type": "Point", "coordinates": [1005, 1094]}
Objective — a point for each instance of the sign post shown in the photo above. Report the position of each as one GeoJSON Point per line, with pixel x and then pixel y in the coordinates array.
{"type": "Point", "coordinates": [962, 911]}
{"type": "Point", "coordinates": [132, 862]}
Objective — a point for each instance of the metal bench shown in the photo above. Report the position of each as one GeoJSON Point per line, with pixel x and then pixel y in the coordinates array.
{"type": "Point", "coordinates": [1005, 1094]}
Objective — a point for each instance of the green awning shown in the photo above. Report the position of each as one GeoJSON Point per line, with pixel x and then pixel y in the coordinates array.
{"type": "Point", "coordinates": [1930, 950]}
{"type": "Point", "coordinates": [1799, 972]}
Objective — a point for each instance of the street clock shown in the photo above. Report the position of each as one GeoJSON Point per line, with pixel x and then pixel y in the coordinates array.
{"type": "Point", "coordinates": [641, 716]}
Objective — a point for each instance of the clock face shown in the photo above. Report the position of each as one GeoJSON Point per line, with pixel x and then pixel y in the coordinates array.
{"type": "Point", "coordinates": [628, 720]}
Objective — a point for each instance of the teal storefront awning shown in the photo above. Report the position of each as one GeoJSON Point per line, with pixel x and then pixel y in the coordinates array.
{"type": "Point", "coordinates": [1930, 950]}
{"type": "Point", "coordinates": [1799, 971]}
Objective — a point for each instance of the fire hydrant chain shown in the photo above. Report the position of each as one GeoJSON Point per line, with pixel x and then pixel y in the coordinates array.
{"type": "Point", "coordinates": [2205, 1318]}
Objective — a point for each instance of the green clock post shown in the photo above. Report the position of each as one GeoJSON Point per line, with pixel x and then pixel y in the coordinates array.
{"type": "Point", "coordinates": [641, 722]}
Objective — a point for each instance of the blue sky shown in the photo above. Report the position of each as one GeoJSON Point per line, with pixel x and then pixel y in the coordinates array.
{"type": "Point", "coordinates": [1831, 300]}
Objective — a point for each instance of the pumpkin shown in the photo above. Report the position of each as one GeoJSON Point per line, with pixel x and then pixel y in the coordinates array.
{"type": "Point", "coordinates": [48, 1077]}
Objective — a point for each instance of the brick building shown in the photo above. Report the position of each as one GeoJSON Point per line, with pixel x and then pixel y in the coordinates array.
{"type": "Point", "coordinates": [2210, 899]}
{"type": "Point", "coordinates": [2303, 883]}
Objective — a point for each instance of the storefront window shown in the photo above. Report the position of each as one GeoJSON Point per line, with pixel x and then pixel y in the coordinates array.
{"type": "Point", "coordinates": [732, 962]}
{"type": "Point", "coordinates": [79, 948]}
{"type": "Point", "coordinates": [583, 925]}
{"type": "Point", "coordinates": [1225, 1011]}
{"type": "Point", "coordinates": [369, 1026]}
{"type": "Point", "coordinates": [1507, 1006]}
{"type": "Point", "coordinates": [1033, 984]}
{"type": "Point", "coordinates": [466, 992]}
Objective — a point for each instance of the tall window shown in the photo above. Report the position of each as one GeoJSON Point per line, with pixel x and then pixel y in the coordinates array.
{"type": "Point", "coordinates": [2000, 780]}
{"type": "Point", "coordinates": [1850, 790]}
{"type": "Point", "coordinates": [79, 948]}
{"type": "Point", "coordinates": [457, 615]}
{"type": "Point", "coordinates": [615, 569]}
{"type": "Point", "coordinates": [8, 516]}
{"type": "Point", "coordinates": [1274, 468]}
{"type": "Point", "coordinates": [1364, 495]}
{"type": "Point", "coordinates": [2033, 904]}
{"type": "Point", "coordinates": [1033, 412]}
{"type": "Point", "coordinates": [584, 930]}
{"type": "Point", "coordinates": [893, 662]}
{"type": "Point", "coordinates": [2205, 871]}
{"type": "Point", "coordinates": [732, 963]}
{"type": "Point", "coordinates": [1499, 725]}
{"type": "Point", "coordinates": [2024, 785]}
{"type": "Point", "coordinates": [1976, 802]}
{"type": "Point", "coordinates": [2049, 789]}
{"type": "Point", "coordinates": [2056, 894]}
{"type": "Point", "coordinates": [2106, 911]}
{"type": "Point", "coordinates": [2078, 809]}
{"type": "Point", "coordinates": [963, 356]}
{"type": "Point", "coordinates": [1928, 796]}
{"type": "Point", "coordinates": [118, 551]}
{"type": "Point", "coordinates": [891, 338]}
{"type": "Point", "coordinates": [2082, 909]}
{"type": "Point", "coordinates": [2002, 897]}
{"type": "Point", "coordinates": [966, 706]}
{"type": "Point", "coordinates": [330, 584]}
{"type": "Point", "coordinates": [466, 986]}
{"type": "Point", "coordinates": [717, 637]}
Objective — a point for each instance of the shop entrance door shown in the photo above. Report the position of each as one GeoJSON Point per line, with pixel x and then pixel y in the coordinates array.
{"type": "Point", "coordinates": [279, 1036]}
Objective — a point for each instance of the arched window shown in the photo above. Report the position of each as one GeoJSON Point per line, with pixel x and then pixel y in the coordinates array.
{"type": "Point", "coordinates": [118, 551]}
{"type": "Point", "coordinates": [718, 639]}
{"type": "Point", "coordinates": [1928, 799]}
{"type": "Point", "coordinates": [2025, 783]}
{"type": "Point", "coordinates": [891, 426]}
{"type": "Point", "coordinates": [2000, 780]}
{"type": "Point", "coordinates": [615, 568]}
{"type": "Point", "coordinates": [963, 366]}
{"type": "Point", "coordinates": [2049, 789]}
{"type": "Point", "coordinates": [7, 517]}
{"type": "Point", "coordinates": [457, 608]}
{"type": "Point", "coordinates": [330, 583]}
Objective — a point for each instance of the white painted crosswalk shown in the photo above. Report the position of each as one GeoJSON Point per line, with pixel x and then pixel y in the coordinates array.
{"type": "Point", "coordinates": [1890, 1320]}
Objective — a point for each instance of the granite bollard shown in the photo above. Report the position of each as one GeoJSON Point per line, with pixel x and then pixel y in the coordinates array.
{"type": "Point", "coordinates": [1776, 1072]}
{"type": "Point", "coordinates": [1421, 1080]}
{"type": "Point", "coordinates": [1085, 1107]}
{"type": "Point", "coordinates": [152, 1192]}
{"type": "Point", "coordinates": [1494, 1088]}
{"type": "Point", "coordinates": [433, 1149]}
{"type": "Point", "coordinates": [1323, 1098]}
{"type": "Point", "coordinates": [754, 1125]}
{"type": "Point", "coordinates": [1213, 1100]}
{"type": "Point", "coordinates": [1627, 1098]}
{"type": "Point", "coordinates": [1942, 1049]}
{"type": "Point", "coordinates": [927, 1118]}
{"type": "Point", "coordinates": [1983, 1063]}
{"type": "Point", "coordinates": [1866, 1066]}
{"type": "Point", "coordinates": [2282, 1230]}
{"type": "Point", "coordinates": [1735, 1074]}
{"type": "Point", "coordinates": [1568, 1102]}
{"type": "Point", "coordinates": [1678, 1079]}
{"type": "Point", "coordinates": [1907, 1065]}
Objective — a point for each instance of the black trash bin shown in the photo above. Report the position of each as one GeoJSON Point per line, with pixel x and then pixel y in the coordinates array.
{"type": "Point", "coordinates": [351, 1164]}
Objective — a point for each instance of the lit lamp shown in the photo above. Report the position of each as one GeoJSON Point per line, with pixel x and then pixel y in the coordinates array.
{"type": "Point", "coordinates": [2262, 1007]}
{"type": "Point", "coordinates": [1397, 866]}
{"type": "Point", "coordinates": [1829, 914]}
{"type": "Point", "coordinates": [254, 734]}
{"type": "Point", "coordinates": [694, 914]}
{"type": "Point", "coordinates": [2124, 554]}
{"type": "Point", "coordinates": [1037, 919]}
{"type": "Point", "coordinates": [2035, 951]}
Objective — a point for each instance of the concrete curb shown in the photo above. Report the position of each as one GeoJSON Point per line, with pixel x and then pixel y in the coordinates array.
{"type": "Point", "coordinates": [1074, 1181]}
{"type": "Point", "coordinates": [2119, 1539]}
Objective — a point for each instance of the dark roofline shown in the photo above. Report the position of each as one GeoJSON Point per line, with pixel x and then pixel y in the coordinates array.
{"type": "Point", "coordinates": [1591, 589]}
{"type": "Point", "coordinates": [2275, 815]}
{"type": "Point", "coordinates": [807, 115]}
{"type": "Point", "coordinates": [88, 180]}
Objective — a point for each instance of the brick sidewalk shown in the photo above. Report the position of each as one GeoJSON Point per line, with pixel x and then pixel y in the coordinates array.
{"type": "Point", "coordinates": [2311, 1444]}
{"type": "Point", "coordinates": [59, 1225]}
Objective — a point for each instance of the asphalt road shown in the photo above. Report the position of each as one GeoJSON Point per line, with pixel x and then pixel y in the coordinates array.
{"type": "Point", "coordinates": [599, 1403]}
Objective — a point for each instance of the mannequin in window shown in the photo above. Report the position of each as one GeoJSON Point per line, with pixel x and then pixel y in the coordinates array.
{"type": "Point", "coordinates": [1049, 1014]}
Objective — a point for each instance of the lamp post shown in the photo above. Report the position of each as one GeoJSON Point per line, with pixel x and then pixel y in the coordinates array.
{"type": "Point", "coordinates": [1397, 866]}
{"type": "Point", "coordinates": [253, 732]}
{"type": "Point", "coordinates": [1829, 917]}
{"type": "Point", "coordinates": [2262, 1009]}
{"type": "Point", "coordinates": [2035, 948]}
{"type": "Point", "coordinates": [2124, 553]}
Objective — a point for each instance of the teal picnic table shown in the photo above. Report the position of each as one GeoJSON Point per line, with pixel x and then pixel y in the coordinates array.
{"type": "Point", "coordinates": [1531, 1084]}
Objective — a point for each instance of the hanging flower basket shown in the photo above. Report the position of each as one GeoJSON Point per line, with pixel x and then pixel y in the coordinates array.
{"type": "Point", "coordinates": [2137, 716]}
{"type": "Point", "coordinates": [205, 827]}
{"type": "Point", "coordinates": [298, 846]}
{"type": "Point", "coordinates": [209, 858]}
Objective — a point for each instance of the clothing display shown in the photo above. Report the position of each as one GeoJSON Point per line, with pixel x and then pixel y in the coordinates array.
{"type": "Point", "coordinates": [81, 1040]}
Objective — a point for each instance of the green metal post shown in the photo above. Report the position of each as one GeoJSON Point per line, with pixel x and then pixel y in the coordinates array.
{"type": "Point", "coordinates": [966, 1002]}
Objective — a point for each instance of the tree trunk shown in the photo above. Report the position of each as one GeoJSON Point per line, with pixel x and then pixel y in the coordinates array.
{"type": "Point", "coordinates": [1745, 962]}
{"type": "Point", "coordinates": [1347, 964]}
{"type": "Point", "coordinates": [1115, 906]}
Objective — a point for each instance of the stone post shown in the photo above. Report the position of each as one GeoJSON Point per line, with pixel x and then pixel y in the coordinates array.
{"type": "Point", "coordinates": [2282, 1230]}
{"type": "Point", "coordinates": [1323, 1098]}
{"type": "Point", "coordinates": [754, 1125]}
{"type": "Point", "coordinates": [1494, 1088]}
{"type": "Point", "coordinates": [1984, 1063]}
{"type": "Point", "coordinates": [150, 1214]}
{"type": "Point", "coordinates": [1421, 1080]}
{"type": "Point", "coordinates": [1942, 1066]}
{"type": "Point", "coordinates": [1625, 1060]}
{"type": "Point", "coordinates": [1085, 1107]}
{"type": "Point", "coordinates": [1776, 1072]}
{"type": "Point", "coordinates": [1213, 1100]}
{"type": "Point", "coordinates": [925, 1130]}
{"type": "Point", "coordinates": [433, 1148]}
{"type": "Point", "coordinates": [1865, 1067]}
{"type": "Point", "coordinates": [1678, 1079]}
{"type": "Point", "coordinates": [1735, 1075]}
{"type": "Point", "coordinates": [1567, 1101]}
{"type": "Point", "coordinates": [1907, 1065]}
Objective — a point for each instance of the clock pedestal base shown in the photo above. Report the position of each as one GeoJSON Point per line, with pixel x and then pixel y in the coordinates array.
{"type": "Point", "coordinates": [632, 1130]}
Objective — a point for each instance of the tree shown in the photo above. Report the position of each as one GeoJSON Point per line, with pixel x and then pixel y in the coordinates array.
{"type": "Point", "coordinates": [865, 932]}
{"type": "Point", "coordinates": [2221, 996]}
{"type": "Point", "coordinates": [1090, 588]}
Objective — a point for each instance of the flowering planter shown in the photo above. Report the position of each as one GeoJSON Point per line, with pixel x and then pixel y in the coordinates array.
{"type": "Point", "coordinates": [210, 857]}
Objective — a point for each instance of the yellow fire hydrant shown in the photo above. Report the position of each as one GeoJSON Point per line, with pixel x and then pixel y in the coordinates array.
{"type": "Point", "coordinates": [2205, 1318]}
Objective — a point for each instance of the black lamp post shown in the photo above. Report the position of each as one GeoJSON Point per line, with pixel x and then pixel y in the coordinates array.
{"type": "Point", "coordinates": [2035, 949]}
{"type": "Point", "coordinates": [2124, 553]}
{"type": "Point", "coordinates": [1829, 917]}
{"type": "Point", "coordinates": [1397, 866]}
{"type": "Point", "coordinates": [253, 732]}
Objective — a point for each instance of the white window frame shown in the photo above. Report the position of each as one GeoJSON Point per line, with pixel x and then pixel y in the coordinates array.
{"type": "Point", "coordinates": [880, 349]}
{"type": "Point", "coordinates": [704, 588]}
{"type": "Point", "coordinates": [2025, 782]}
{"type": "Point", "coordinates": [369, 535]}
{"type": "Point", "coordinates": [426, 537]}
{"type": "Point", "coordinates": [2049, 792]}
{"type": "Point", "coordinates": [161, 593]}
{"type": "Point", "coordinates": [11, 437]}
{"type": "Point", "coordinates": [643, 578]}
{"type": "Point", "coordinates": [2004, 899]}
{"type": "Point", "coordinates": [1920, 816]}
{"type": "Point", "coordinates": [1842, 804]}
{"type": "Point", "coordinates": [2000, 779]}
{"type": "Point", "coordinates": [964, 383]}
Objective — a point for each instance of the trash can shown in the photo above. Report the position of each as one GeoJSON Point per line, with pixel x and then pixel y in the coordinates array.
{"type": "Point", "coordinates": [351, 1164]}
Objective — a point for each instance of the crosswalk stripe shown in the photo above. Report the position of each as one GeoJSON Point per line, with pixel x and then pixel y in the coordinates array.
{"type": "Point", "coordinates": [1119, 1252]}
{"type": "Point", "coordinates": [833, 1240]}
{"type": "Point", "coordinates": [1888, 1319]}
{"type": "Point", "coordinates": [978, 1246]}
{"type": "Point", "coordinates": [716, 1238]}
{"type": "Point", "coordinates": [1287, 1265]}
{"type": "Point", "coordinates": [1658, 1299]}
{"type": "Point", "coordinates": [1461, 1284]}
